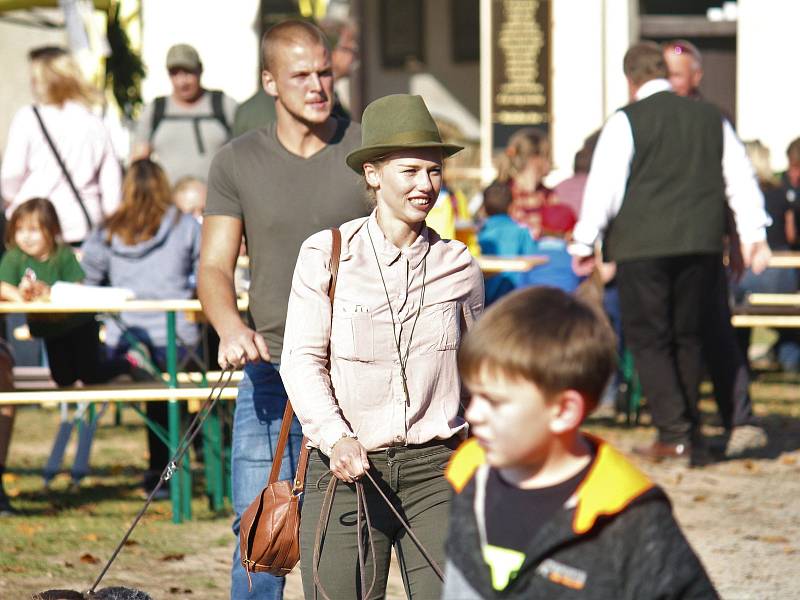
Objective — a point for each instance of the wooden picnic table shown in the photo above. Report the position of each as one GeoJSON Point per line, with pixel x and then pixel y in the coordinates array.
{"type": "Point", "coordinates": [491, 265]}
{"type": "Point", "coordinates": [785, 260]}
{"type": "Point", "coordinates": [180, 483]}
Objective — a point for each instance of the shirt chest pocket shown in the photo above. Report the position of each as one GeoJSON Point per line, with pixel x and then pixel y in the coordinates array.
{"type": "Point", "coordinates": [438, 328]}
{"type": "Point", "coordinates": [352, 335]}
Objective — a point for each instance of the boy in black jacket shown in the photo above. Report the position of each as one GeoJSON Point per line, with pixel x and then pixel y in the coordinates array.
{"type": "Point", "coordinates": [542, 510]}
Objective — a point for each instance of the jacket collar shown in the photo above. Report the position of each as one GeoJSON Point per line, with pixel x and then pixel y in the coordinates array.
{"type": "Point", "coordinates": [388, 253]}
{"type": "Point", "coordinates": [610, 486]}
{"type": "Point", "coordinates": [651, 87]}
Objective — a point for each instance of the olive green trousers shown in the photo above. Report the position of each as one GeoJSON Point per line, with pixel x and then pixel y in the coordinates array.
{"type": "Point", "coordinates": [413, 478]}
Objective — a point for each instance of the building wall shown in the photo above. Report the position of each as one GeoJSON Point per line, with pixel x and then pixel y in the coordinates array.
{"type": "Point", "coordinates": [451, 90]}
{"type": "Point", "coordinates": [16, 40]}
{"type": "Point", "coordinates": [224, 34]}
{"type": "Point", "coordinates": [587, 80]}
{"type": "Point", "coordinates": [768, 89]}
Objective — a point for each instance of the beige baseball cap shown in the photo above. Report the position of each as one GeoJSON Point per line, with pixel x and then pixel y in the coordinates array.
{"type": "Point", "coordinates": [183, 56]}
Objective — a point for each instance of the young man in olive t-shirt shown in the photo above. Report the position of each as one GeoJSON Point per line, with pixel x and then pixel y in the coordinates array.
{"type": "Point", "coordinates": [277, 186]}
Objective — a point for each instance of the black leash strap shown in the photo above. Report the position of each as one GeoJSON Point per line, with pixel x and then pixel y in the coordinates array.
{"type": "Point", "coordinates": [361, 510]}
{"type": "Point", "coordinates": [172, 465]}
{"type": "Point", "coordinates": [61, 164]}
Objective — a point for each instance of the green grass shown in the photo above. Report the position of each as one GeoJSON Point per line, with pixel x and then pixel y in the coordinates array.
{"type": "Point", "coordinates": [64, 536]}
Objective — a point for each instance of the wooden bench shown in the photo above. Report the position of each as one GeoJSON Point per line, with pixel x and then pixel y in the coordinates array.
{"type": "Point", "coordinates": [768, 310]}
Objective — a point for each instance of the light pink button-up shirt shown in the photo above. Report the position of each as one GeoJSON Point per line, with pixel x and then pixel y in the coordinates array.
{"type": "Point", "coordinates": [30, 170]}
{"type": "Point", "coordinates": [363, 392]}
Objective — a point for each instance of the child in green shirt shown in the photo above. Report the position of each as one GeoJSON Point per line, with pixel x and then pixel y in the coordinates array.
{"type": "Point", "coordinates": [35, 259]}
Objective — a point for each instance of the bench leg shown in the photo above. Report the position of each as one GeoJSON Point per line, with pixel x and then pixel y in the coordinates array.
{"type": "Point", "coordinates": [212, 446]}
{"type": "Point", "coordinates": [173, 419]}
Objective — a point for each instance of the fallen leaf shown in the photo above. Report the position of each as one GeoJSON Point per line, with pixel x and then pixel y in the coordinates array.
{"type": "Point", "coordinates": [789, 550]}
{"type": "Point", "coordinates": [29, 530]}
{"type": "Point", "coordinates": [12, 569]}
{"type": "Point", "coordinates": [177, 590]}
{"type": "Point", "coordinates": [131, 543]}
{"type": "Point", "coordinates": [171, 557]}
{"type": "Point", "coordinates": [89, 559]}
{"type": "Point", "coordinates": [774, 539]}
{"type": "Point", "coordinates": [90, 537]}
{"type": "Point", "coordinates": [700, 498]}
{"type": "Point", "coordinates": [68, 564]}
{"type": "Point", "coordinates": [787, 459]}
{"type": "Point", "coordinates": [749, 465]}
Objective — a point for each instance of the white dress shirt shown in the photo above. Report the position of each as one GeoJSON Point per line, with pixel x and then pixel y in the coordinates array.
{"type": "Point", "coordinates": [611, 163]}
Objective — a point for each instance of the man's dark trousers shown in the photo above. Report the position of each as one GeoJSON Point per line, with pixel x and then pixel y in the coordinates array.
{"type": "Point", "coordinates": [663, 302]}
{"type": "Point", "coordinates": [727, 364]}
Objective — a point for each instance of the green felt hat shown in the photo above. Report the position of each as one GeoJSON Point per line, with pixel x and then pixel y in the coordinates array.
{"type": "Point", "coordinates": [396, 122]}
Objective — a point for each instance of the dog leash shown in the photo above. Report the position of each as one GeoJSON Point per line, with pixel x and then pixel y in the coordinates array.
{"type": "Point", "coordinates": [172, 466]}
{"type": "Point", "coordinates": [361, 509]}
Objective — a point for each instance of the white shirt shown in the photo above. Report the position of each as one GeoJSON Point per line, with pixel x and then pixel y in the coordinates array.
{"type": "Point", "coordinates": [611, 163]}
{"type": "Point", "coordinates": [30, 170]}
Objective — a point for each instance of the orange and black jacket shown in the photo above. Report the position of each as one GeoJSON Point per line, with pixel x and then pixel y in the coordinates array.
{"type": "Point", "coordinates": [616, 538]}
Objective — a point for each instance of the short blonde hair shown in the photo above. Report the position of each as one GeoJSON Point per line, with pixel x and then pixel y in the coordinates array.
{"type": "Point", "coordinates": [57, 78]}
{"type": "Point", "coordinates": [524, 144]}
{"type": "Point", "coordinates": [758, 154]}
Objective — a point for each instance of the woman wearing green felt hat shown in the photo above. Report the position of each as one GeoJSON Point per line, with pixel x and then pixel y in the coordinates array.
{"type": "Point", "coordinates": [387, 404]}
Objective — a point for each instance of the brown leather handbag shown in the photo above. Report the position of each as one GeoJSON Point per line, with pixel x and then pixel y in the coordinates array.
{"type": "Point", "coordinates": [269, 534]}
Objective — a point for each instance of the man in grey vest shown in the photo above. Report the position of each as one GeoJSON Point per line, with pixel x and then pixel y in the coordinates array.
{"type": "Point", "coordinates": [662, 172]}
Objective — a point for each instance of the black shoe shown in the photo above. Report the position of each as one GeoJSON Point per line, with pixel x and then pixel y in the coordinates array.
{"type": "Point", "coordinates": [6, 510]}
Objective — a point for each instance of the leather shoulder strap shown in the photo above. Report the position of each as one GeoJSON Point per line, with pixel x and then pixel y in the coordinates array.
{"type": "Point", "coordinates": [288, 413]}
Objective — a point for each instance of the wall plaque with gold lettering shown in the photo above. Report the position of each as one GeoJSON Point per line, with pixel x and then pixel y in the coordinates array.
{"type": "Point", "coordinates": [520, 66]}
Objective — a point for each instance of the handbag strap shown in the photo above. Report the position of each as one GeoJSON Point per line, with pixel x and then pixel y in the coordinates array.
{"type": "Point", "coordinates": [288, 413]}
{"type": "Point", "coordinates": [64, 170]}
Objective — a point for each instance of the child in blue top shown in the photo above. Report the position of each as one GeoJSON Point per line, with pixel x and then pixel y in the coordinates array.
{"type": "Point", "coordinates": [558, 220]}
{"type": "Point", "coordinates": [502, 236]}
{"type": "Point", "coordinates": [35, 259]}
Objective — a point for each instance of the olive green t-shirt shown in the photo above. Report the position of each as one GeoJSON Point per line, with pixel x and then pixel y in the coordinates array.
{"type": "Point", "coordinates": [282, 199]}
{"type": "Point", "coordinates": [62, 265]}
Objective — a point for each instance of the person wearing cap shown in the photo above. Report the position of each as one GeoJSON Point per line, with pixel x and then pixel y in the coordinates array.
{"type": "Point", "coordinates": [390, 402]}
{"type": "Point", "coordinates": [276, 185]}
{"type": "Point", "coordinates": [182, 131]}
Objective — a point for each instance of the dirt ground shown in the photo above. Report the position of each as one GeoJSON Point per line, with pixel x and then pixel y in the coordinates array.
{"type": "Point", "coordinates": [742, 516]}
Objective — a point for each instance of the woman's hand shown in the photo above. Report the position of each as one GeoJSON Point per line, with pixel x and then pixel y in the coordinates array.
{"type": "Point", "coordinates": [349, 459]}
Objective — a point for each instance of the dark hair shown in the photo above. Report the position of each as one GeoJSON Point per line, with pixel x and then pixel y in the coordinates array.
{"type": "Point", "coordinates": [285, 32]}
{"type": "Point", "coordinates": [583, 157]}
{"type": "Point", "coordinates": [793, 151]}
{"type": "Point", "coordinates": [146, 196]}
{"type": "Point", "coordinates": [545, 336]}
{"type": "Point", "coordinates": [45, 213]}
{"type": "Point", "coordinates": [497, 198]}
{"type": "Point", "coordinates": [46, 52]}
{"type": "Point", "coordinates": [644, 61]}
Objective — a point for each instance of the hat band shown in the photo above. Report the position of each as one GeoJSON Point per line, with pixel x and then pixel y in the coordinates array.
{"type": "Point", "coordinates": [408, 137]}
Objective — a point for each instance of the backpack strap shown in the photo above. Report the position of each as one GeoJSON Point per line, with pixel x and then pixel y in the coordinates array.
{"type": "Point", "coordinates": [218, 111]}
{"type": "Point", "coordinates": [159, 108]}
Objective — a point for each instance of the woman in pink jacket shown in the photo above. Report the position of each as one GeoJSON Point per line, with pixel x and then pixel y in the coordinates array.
{"type": "Point", "coordinates": [59, 149]}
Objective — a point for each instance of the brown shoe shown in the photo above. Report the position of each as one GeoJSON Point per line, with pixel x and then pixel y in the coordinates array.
{"type": "Point", "coordinates": [658, 451]}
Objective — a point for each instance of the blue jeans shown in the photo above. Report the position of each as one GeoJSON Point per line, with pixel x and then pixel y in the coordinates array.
{"type": "Point", "coordinates": [256, 426]}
